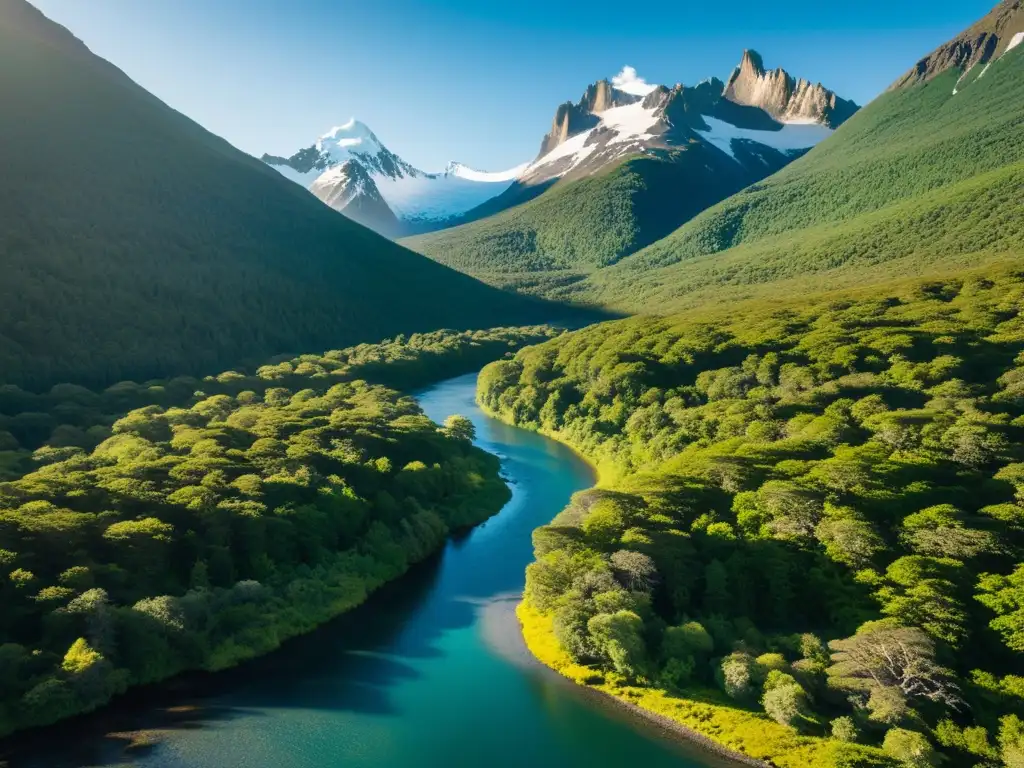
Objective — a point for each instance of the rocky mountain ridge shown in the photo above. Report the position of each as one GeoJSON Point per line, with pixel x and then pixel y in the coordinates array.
{"type": "Point", "coordinates": [999, 32]}
{"type": "Point", "coordinates": [759, 119]}
{"type": "Point", "coordinates": [759, 112]}
{"type": "Point", "coordinates": [784, 97]}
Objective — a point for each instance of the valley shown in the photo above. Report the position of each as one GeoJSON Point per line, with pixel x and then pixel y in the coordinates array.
{"type": "Point", "coordinates": [690, 435]}
{"type": "Point", "coordinates": [388, 681]}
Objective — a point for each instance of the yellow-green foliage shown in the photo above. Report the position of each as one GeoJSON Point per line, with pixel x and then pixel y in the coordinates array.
{"type": "Point", "coordinates": [813, 483]}
{"type": "Point", "coordinates": [704, 712]}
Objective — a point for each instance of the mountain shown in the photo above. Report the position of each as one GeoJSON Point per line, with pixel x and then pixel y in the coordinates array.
{"type": "Point", "coordinates": [350, 170]}
{"type": "Point", "coordinates": [136, 244]}
{"type": "Point", "coordinates": [619, 169]}
{"type": "Point", "coordinates": [787, 100]}
{"type": "Point", "coordinates": [608, 124]}
{"type": "Point", "coordinates": [924, 180]}
{"type": "Point", "coordinates": [990, 38]}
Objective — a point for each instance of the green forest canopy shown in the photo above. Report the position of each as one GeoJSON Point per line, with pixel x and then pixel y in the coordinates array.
{"type": "Point", "coordinates": [191, 524]}
{"type": "Point", "coordinates": [815, 507]}
{"type": "Point", "coordinates": [920, 181]}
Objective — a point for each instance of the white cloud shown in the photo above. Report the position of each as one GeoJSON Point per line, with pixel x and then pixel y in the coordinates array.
{"type": "Point", "coordinates": [629, 81]}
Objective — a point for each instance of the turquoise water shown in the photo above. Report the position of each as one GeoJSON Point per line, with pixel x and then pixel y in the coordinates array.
{"type": "Point", "coordinates": [431, 672]}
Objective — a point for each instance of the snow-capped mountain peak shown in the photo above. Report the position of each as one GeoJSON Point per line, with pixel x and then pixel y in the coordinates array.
{"type": "Point", "coordinates": [768, 114]}
{"type": "Point", "coordinates": [351, 170]}
{"type": "Point", "coordinates": [465, 172]}
{"type": "Point", "coordinates": [759, 119]}
{"type": "Point", "coordinates": [353, 136]}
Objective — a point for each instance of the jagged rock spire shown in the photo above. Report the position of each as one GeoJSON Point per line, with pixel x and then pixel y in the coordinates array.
{"type": "Point", "coordinates": [782, 96]}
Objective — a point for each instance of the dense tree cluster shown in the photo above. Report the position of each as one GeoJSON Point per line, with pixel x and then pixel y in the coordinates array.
{"type": "Point", "coordinates": [817, 508]}
{"type": "Point", "coordinates": [184, 524]}
{"type": "Point", "coordinates": [70, 416]}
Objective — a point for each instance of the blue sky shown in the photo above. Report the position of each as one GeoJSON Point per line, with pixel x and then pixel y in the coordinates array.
{"type": "Point", "coordinates": [476, 81]}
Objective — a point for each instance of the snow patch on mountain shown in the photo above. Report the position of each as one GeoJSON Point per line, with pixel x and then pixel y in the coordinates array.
{"type": "Point", "coordinates": [465, 172]}
{"type": "Point", "coordinates": [576, 149]}
{"type": "Point", "coordinates": [440, 196]}
{"type": "Point", "coordinates": [793, 136]}
{"type": "Point", "coordinates": [326, 169]}
{"type": "Point", "coordinates": [631, 122]}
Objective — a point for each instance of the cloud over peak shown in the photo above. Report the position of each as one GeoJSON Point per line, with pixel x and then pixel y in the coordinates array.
{"type": "Point", "coordinates": [629, 81]}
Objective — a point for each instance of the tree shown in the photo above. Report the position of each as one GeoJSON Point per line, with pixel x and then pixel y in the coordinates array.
{"type": "Point", "coordinates": [911, 748]}
{"type": "Point", "coordinates": [792, 512]}
{"type": "Point", "coordinates": [849, 540]}
{"type": "Point", "coordinates": [891, 663]}
{"type": "Point", "coordinates": [1011, 741]}
{"type": "Point", "coordinates": [736, 675]}
{"type": "Point", "coordinates": [1004, 595]}
{"type": "Point", "coordinates": [845, 729]}
{"type": "Point", "coordinates": [80, 657]}
{"type": "Point", "coordinates": [939, 532]}
{"type": "Point", "coordinates": [784, 700]}
{"type": "Point", "coordinates": [636, 570]}
{"type": "Point", "coordinates": [921, 592]}
{"type": "Point", "coordinates": [689, 639]}
{"type": "Point", "coordinates": [605, 522]}
{"type": "Point", "coordinates": [618, 638]}
{"type": "Point", "coordinates": [458, 427]}
{"type": "Point", "coordinates": [973, 443]}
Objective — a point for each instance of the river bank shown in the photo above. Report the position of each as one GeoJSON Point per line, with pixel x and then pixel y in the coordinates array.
{"type": "Point", "coordinates": [706, 719]}
{"type": "Point", "coordinates": [407, 679]}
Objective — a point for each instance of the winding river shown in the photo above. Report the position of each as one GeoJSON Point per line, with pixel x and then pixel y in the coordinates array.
{"type": "Point", "coordinates": [430, 672]}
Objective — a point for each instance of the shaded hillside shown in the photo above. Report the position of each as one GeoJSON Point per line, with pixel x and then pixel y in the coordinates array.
{"type": "Point", "coordinates": [134, 243]}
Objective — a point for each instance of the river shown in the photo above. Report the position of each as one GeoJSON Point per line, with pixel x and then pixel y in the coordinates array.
{"type": "Point", "coordinates": [431, 671]}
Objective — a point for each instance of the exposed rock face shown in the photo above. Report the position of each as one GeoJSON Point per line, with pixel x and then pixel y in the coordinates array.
{"type": "Point", "coordinates": [983, 42]}
{"type": "Point", "coordinates": [603, 95]}
{"type": "Point", "coordinates": [784, 98]}
{"type": "Point", "coordinates": [304, 161]}
{"type": "Point", "coordinates": [572, 119]}
{"type": "Point", "coordinates": [351, 189]}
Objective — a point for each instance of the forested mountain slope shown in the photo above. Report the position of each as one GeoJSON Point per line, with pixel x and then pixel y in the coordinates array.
{"type": "Point", "coordinates": [620, 170]}
{"type": "Point", "coordinates": [586, 225]}
{"type": "Point", "coordinates": [808, 536]}
{"type": "Point", "coordinates": [134, 243]}
{"type": "Point", "coordinates": [923, 179]}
